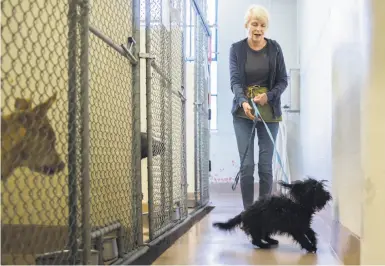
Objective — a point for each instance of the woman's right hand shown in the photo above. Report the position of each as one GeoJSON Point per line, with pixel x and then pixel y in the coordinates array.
{"type": "Point", "coordinates": [247, 109]}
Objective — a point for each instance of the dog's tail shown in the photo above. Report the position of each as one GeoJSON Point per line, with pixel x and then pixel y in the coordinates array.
{"type": "Point", "coordinates": [230, 224]}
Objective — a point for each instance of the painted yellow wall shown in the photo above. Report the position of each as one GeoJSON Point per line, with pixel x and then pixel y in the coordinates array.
{"type": "Point", "coordinates": [373, 144]}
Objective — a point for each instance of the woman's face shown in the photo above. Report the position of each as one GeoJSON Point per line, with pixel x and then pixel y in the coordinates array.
{"type": "Point", "coordinates": [256, 30]}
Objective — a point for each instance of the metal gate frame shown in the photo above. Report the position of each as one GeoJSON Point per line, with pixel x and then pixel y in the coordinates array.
{"type": "Point", "coordinates": [128, 51]}
{"type": "Point", "coordinates": [159, 81]}
{"type": "Point", "coordinates": [201, 103]}
{"type": "Point", "coordinates": [83, 238]}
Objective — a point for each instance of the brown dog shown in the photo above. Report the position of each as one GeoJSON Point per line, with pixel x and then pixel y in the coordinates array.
{"type": "Point", "coordinates": [28, 140]}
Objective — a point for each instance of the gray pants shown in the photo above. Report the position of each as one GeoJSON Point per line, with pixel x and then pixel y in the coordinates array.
{"type": "Point", "coordinates": [242, 128]}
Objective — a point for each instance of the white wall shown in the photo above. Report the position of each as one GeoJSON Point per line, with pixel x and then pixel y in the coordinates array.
{"type": "Point", "coordinates": [341, 127]}
{"type": "Point", "coordinates": [315, 60]}
{"type": "Point", "coordinates": [283, 28]}
{"type": "Point", "coordinates": [349, 68]}
{"type": "Point", "coordinates": [339, 134]}
{"type": "Point", "coordinates": [331, 74]}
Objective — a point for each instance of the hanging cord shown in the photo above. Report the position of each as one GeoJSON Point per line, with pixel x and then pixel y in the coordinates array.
{"type": "Point", "coordinates": [258, 117]}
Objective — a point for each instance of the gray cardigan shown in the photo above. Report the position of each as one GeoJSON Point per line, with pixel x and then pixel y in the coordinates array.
{"type": "Point", "coordinates": [277, 77]}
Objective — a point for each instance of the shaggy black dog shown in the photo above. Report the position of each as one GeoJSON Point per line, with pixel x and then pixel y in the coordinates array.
{"type": "Point", "coordinates": [288, 215]}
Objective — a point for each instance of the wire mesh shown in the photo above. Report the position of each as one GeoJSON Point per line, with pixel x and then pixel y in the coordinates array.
{"type": "Point", "coordinates": [201, 115]}
{"type": "Point", "coordinates": [177, 78]}
{"type": "Point", "coordinates": [44, 129]}
{"type": "Point", "coordinates": [47, 149]}
{"type": "Point", "coordinates": [167, 178]}
{"type": "Point", "coordinates": [204, 124]}
{"type": "Point", "coordinates": [161, 213]}
{"type": "Point", "coordinates": [40, 132]}
{"type": "Point", "coordinates": [113, 186]}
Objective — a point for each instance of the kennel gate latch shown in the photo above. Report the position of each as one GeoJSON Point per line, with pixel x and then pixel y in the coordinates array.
{"type": "Point", "coordinates": [128, 50]}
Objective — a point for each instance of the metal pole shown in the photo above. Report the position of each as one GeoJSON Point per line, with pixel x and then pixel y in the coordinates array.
{"type": "Point", "coordinates": [170, 121]}
{"type": "Point", "coordinates": [184, 140]}
{"type": "Point", "coordinates": [120, 49]}
{"type": "Point", "coordinates": [163, 126]}
{"type": "Point", "coordinates": [136, 163]}
{"type": "Point", "coordinates": [105, 230]}
{"type": "Point", "coordinates": [85, 134]}
{"type": "Point", "coordinates": [72, 185]}
{"type": "Point", "coordinates": [149, 121]}
{"type": "Point", "coordinates": [207, 126]}
{"type": "Point", "coordinates": [196, 113]}
{"type": "Point", "coordinates": [200, 15]}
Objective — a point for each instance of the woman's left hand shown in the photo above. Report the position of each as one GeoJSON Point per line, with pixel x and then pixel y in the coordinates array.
{"type": "Point", "coordinates": [261, 99]}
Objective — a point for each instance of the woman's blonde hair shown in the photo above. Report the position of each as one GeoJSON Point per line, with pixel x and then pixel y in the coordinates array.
{"type": "Point", "coordinates": [257, 12]}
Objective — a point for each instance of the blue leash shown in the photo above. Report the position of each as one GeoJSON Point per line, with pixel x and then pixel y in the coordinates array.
{"type": "Point", "coordinates": [258, 114]}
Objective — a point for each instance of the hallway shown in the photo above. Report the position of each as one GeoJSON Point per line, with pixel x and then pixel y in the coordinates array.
{"type": "Point", "coordinates": [203, 244]}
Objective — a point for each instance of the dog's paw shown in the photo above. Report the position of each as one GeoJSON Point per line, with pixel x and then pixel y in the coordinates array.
{"type": "Point", "coordinates": [272, 241]}
{"type": "Point", "coordinates": [312, 250]}
{"type": "Point", "coordinates": [261, 244]}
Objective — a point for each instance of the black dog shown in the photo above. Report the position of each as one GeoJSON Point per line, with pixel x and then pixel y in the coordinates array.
{"type": "Point", "coordinates": [158, 147]}
{"type": "Point", "coordinates": [291, 215]}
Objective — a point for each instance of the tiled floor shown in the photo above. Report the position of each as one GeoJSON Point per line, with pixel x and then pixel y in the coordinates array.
{"type": "Point", "coordinates": [203, 244]}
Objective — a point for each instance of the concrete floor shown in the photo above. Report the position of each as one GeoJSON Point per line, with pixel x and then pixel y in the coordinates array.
{"type": "Point", "coordinates": [203, 244]}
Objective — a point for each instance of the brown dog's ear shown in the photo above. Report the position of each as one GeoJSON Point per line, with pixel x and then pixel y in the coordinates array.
{"type": "Point", "coordinates": [42, 109]}
{"type": "Point", "coordinates": [22, 104]}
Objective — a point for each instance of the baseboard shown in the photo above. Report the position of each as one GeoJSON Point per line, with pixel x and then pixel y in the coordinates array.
{"type": "Point", "coordinates": [154, 249]}
{"type": "Point", "coordinates": [345, 243]}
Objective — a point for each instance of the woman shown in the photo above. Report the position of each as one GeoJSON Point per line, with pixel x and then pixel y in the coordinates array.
{"type": "Point", "coordinates": [257, 72]}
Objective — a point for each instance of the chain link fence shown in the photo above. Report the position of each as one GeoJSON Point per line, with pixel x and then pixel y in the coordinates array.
{"type": "Point", "coordinates": [69, 144]}
{"type": "Point", "coordinates": [115, 200]}
{"type": "Point", "coordinates": [180, 210]}
{"type": "Point", "coordinates": [167, 179]}
{"type": "Point", "coordinates": [202, 130]}
{"type": "Point", "coordinates": [71, 127]}
{"type": "Point", "coordinates": [41, 49]}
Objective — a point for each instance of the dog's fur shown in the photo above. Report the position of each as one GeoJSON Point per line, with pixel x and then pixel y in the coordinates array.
{"type": "Point", "coordinates": [28, 140]}
{"type": "Point", "coordinates": [288, 215]}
